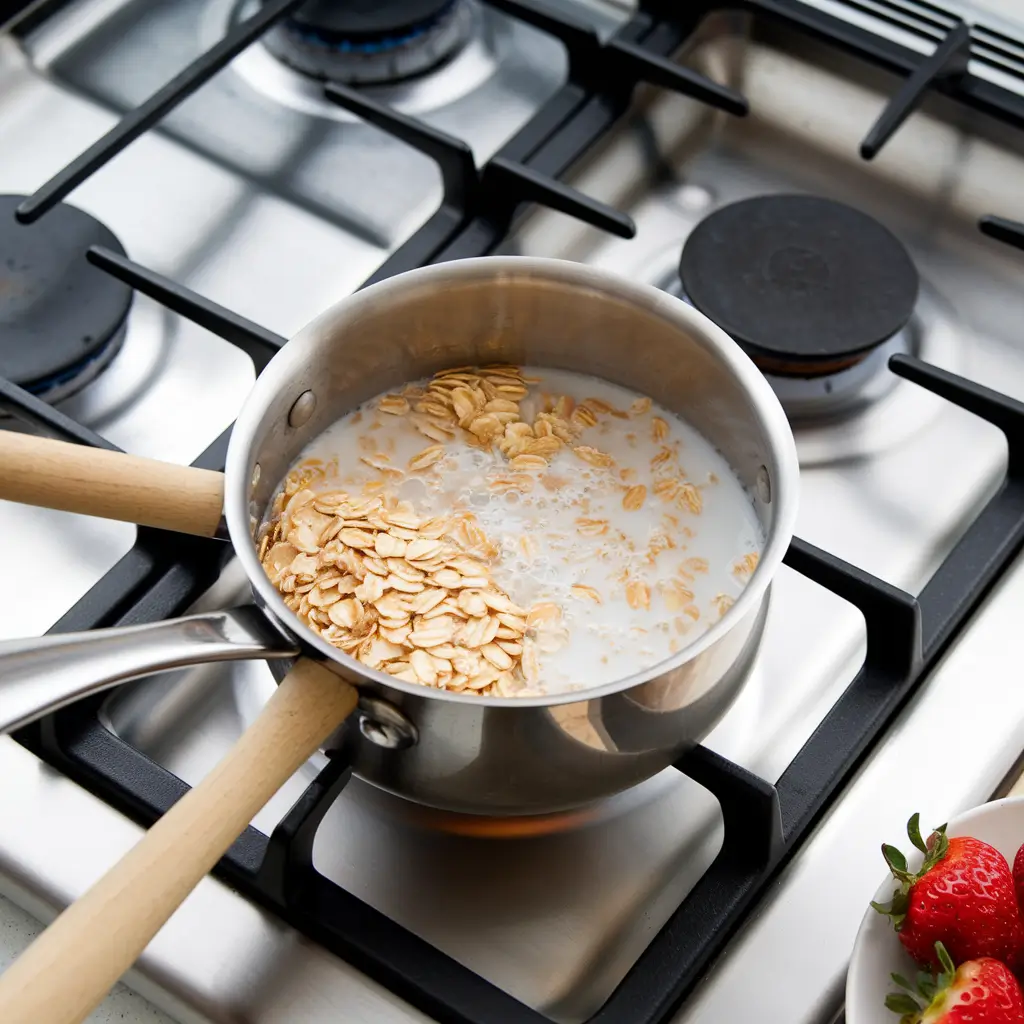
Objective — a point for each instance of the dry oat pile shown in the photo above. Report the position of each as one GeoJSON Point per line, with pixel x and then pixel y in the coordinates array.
{"type": "Point", "coordinates": [401, 594]}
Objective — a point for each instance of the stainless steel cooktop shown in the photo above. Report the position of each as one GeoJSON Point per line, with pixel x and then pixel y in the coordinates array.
{"type": "Point", "coordinates": [263, 197]}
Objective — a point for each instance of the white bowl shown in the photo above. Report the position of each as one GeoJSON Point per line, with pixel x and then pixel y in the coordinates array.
{"type": "Point", "coordinates": [877, 951]}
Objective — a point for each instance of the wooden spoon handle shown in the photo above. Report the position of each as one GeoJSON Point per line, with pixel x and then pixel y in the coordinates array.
{"type": "Point", "coordinates": [67, 971]}
{"type": "Point", "coordinates": [111, 485]}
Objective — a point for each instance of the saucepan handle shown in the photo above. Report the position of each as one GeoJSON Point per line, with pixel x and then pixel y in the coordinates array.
{"type": "Point", "coordinates": [111, 485]}
{"type": "Point", "coordinates": [43, 674]}
{"type": "Point", "coordinates": [71, 966]}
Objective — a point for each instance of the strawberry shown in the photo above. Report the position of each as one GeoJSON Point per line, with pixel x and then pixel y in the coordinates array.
{"type": "Point", "coordinates": [1018, 877]}
{"type": "Point", "coordinates": [962, 896]}
{"type": "Point", "coordinates": [982, 991]}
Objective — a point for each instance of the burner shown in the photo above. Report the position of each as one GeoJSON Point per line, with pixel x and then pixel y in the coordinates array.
{"type": "Point", "coordinates": [370, 42]}
{"type": "Point", "coordinates": [806, 285]}
{"type": "Point", "coordinates": [61, 319]}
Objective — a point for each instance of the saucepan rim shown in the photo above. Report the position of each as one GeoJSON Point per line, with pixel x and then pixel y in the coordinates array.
{"type": "Point", "coordinates": [763, 405]}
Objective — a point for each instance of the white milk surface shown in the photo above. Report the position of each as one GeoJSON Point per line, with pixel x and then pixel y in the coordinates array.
{"type": "Point", "coordinates": [682, 556]}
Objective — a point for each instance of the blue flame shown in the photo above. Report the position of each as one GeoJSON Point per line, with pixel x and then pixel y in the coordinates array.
{"type": "Point", "coordinates": [369, 47]}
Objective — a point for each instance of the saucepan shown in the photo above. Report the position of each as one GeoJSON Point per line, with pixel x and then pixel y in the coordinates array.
{"type": "Point", "coordinates": [457, 751]}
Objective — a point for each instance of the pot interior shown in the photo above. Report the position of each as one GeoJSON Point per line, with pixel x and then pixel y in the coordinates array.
{"type": "Point", "coordinates": [542, 313]}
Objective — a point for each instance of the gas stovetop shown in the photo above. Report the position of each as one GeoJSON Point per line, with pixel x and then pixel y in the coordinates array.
{"type": "Point", "coordinates": [268, 165]}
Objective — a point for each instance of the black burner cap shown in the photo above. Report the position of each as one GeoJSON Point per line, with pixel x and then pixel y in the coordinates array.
{"type": "Point", "coordinates": [357, 20]}
{"type": "Point", "coordinates": [806, 285]}
{"type": "Point", "coordinates": [57, 311]}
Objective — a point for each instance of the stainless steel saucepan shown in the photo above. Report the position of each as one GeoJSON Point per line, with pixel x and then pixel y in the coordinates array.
{"type": "Point", "coordinates": [456, 751]}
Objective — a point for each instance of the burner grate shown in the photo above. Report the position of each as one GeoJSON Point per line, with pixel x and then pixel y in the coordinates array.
{"type": "Point", "coordinates": [161, 103]}
{"type": "Point", "coordinates": [765, 825]}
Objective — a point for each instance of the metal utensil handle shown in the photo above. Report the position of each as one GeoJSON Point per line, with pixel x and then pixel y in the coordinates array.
{"type": "Point", "coordinates": [61, 977]}
{"type": "Point", "coordinates": [111, 485]}
{"type": "Point", "coordinates": [43, 674]}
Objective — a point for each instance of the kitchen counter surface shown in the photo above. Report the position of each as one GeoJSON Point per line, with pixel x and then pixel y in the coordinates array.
{"type": "Point", "coordinates": [122, 1006]}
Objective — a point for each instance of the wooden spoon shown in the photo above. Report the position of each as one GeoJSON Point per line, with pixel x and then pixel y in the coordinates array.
{"type": "Point", "coordinates": [68, 970]}
{"type": "Point", "coordinates": [111, 485]}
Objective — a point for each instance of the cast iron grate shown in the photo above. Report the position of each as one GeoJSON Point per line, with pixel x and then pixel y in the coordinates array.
{"type": "Point", "coordinates": [764, 824]}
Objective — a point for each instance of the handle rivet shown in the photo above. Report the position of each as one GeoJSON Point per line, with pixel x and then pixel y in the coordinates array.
{"type": "Point", "coordinates": [384, 725]}
{"type": "Point", "coordinates": [301, 411]}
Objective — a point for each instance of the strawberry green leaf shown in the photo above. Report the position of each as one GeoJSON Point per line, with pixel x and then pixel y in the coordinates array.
{"type": "Point", "coordinates": [896, 908]}
{"type": "Point", "coordinates": [896, 861]}
{"type": "Point", "coordinates": [938, 847]}
{"type": "Point", "coordinates": [926, 985]}
{"type": "Point", "coordinates": [948, 967]}
{"type": "Point", "coordinates": [902, 982]}
{"type": "Point", "coordinates": [914, 831]}
{"type": "Point", "coordinates": [901, 1002]}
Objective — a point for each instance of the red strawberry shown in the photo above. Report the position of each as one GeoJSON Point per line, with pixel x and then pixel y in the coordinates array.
{"type": "Point", "coordinates": [1018, 876]}
{"type": "Point", "coordinates": [963, 897]}
{"type": "Point", "coordinates": [980, 991]}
